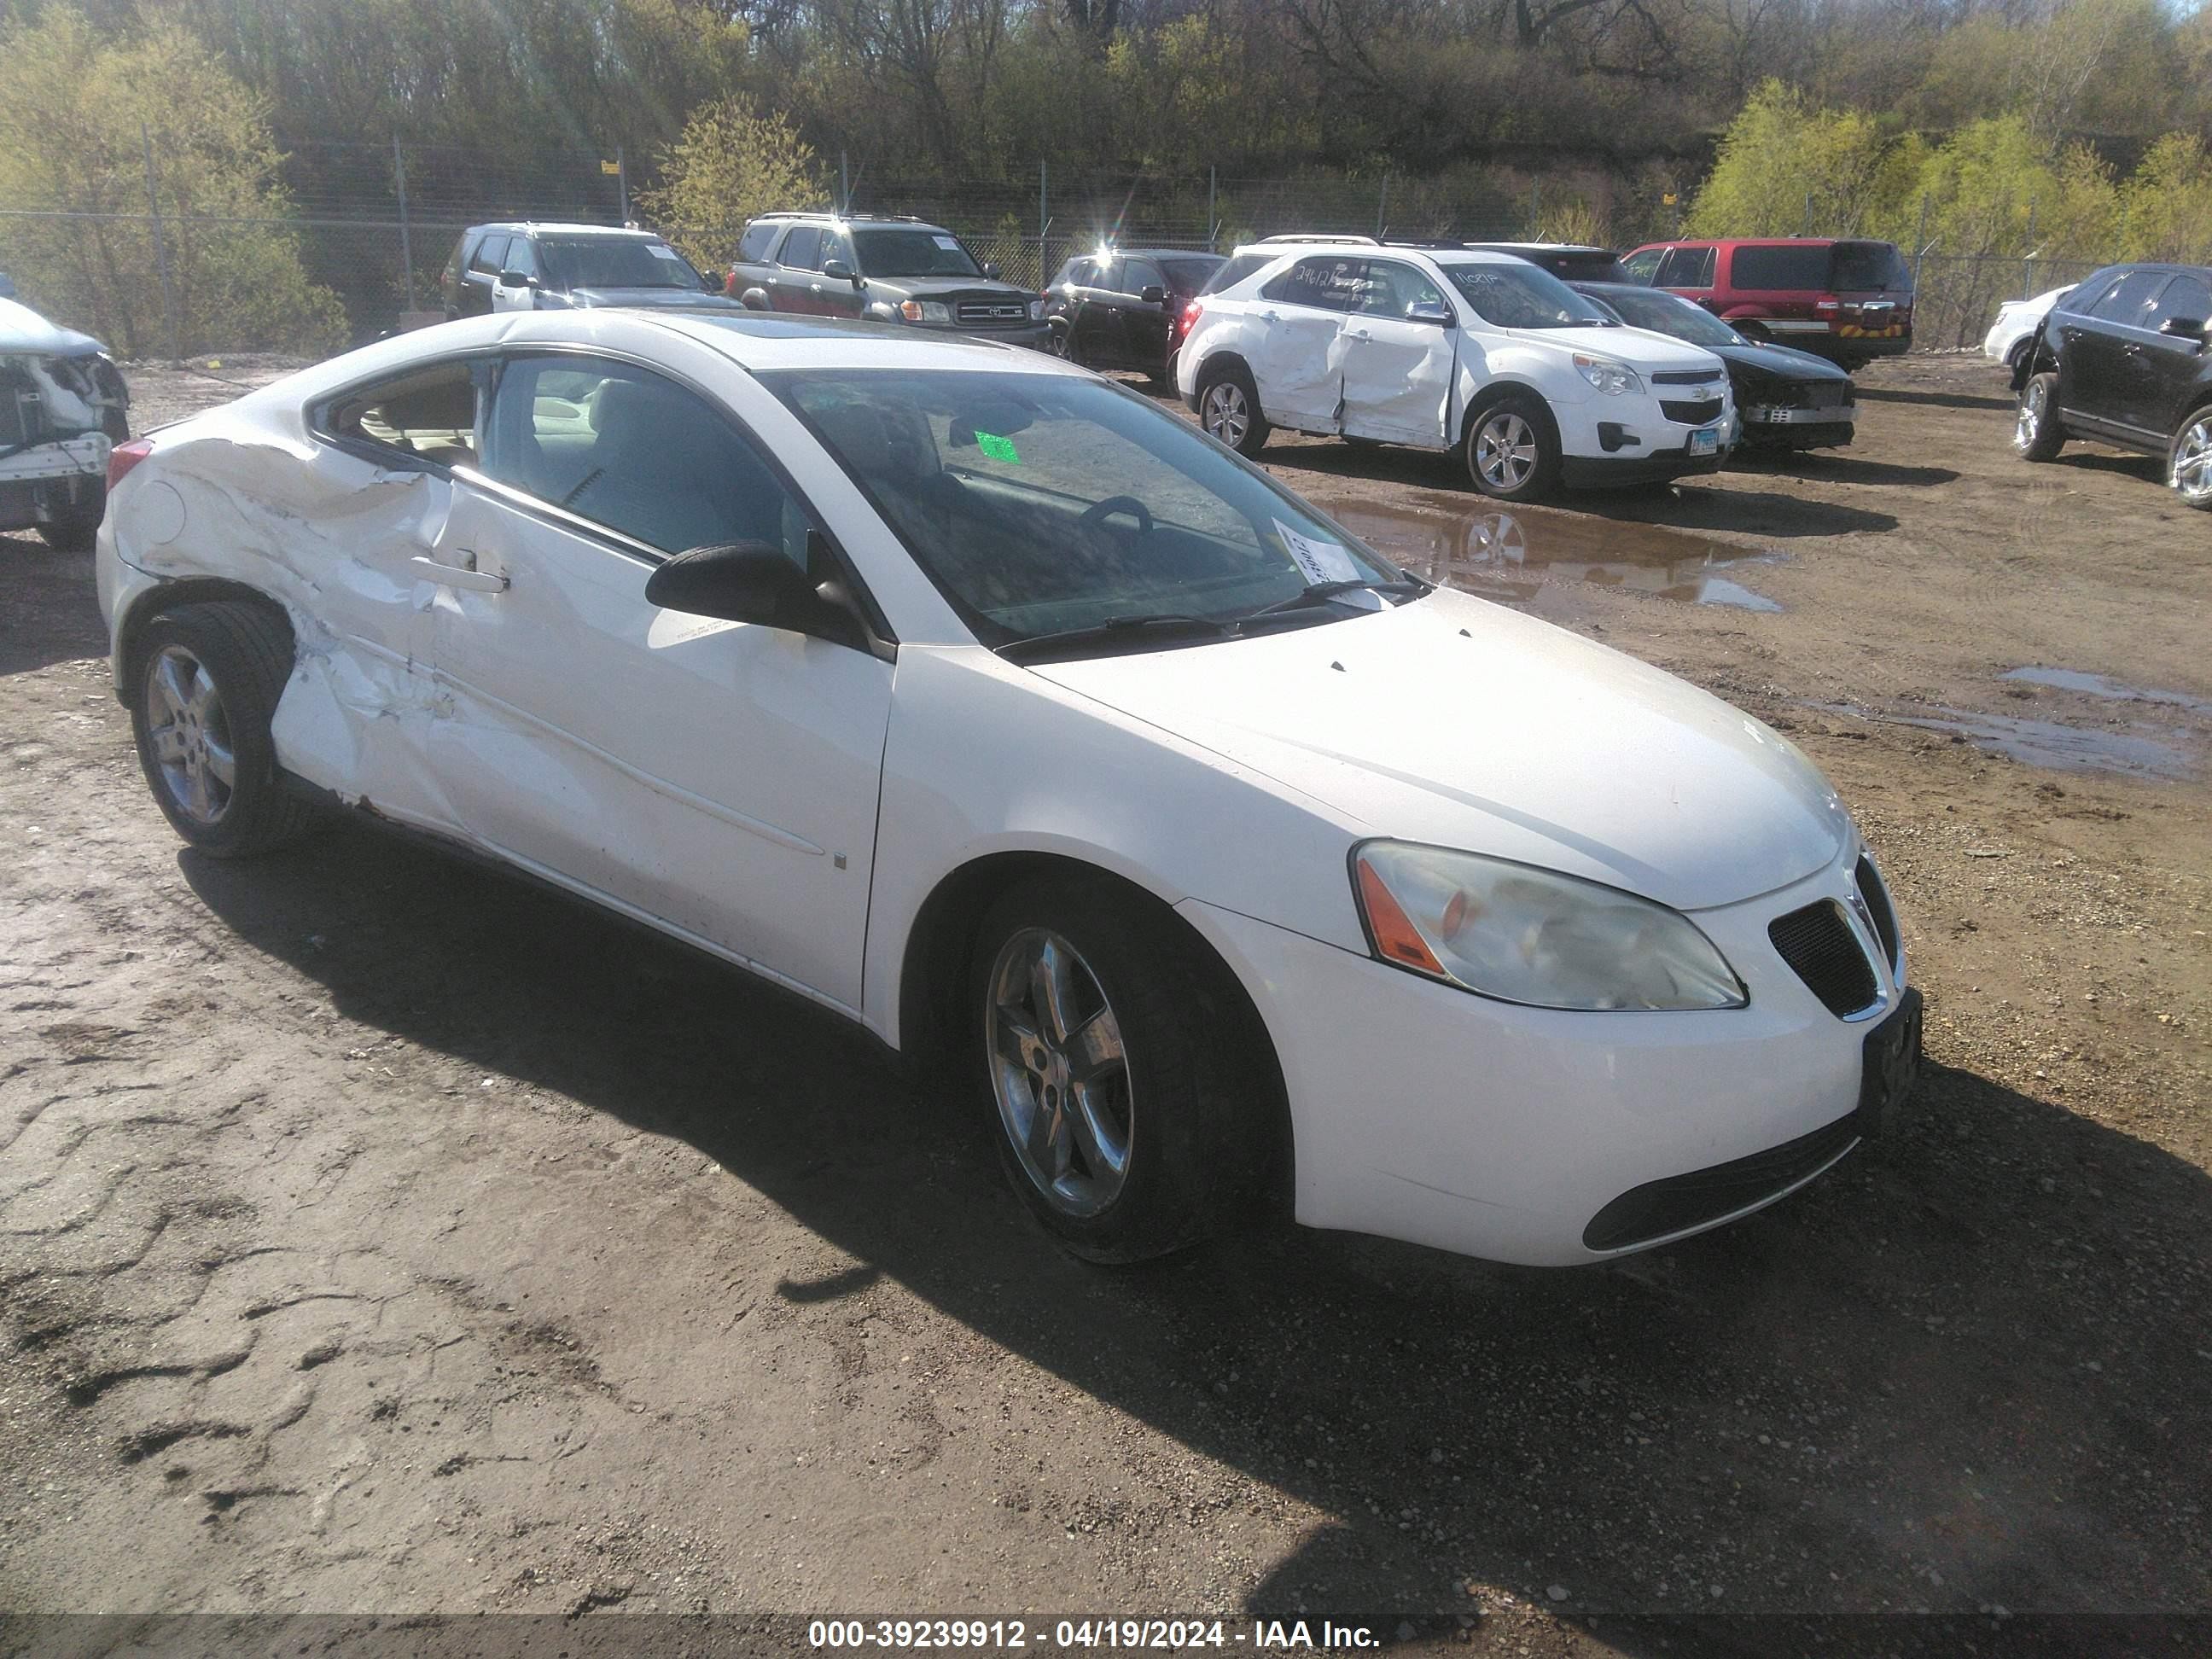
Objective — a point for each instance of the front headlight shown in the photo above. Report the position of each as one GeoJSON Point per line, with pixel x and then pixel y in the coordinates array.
{"type": "Point", "coordinates": [925, 311]}
{"type": "Point", "coordinates": [1611, 378]}
{"type": "Point", "coordinates": [1524, 934]}
{"type": "Point", "coordinates": [1037, 311]}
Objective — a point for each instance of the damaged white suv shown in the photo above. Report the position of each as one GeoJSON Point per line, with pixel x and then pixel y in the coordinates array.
{"type": "Point", "coordinates": [63, 407]}
{"type": "Point", "coordinates": [1449, 348]}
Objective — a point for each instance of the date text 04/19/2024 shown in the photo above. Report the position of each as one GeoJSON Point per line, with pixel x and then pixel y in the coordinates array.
{"type": "Point", "coordinates": [1168, 1635]}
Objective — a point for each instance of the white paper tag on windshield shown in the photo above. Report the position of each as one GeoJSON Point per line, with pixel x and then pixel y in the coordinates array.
{"type": "Point", "coordinates": [1322, 561]}
{"type": "Point", "coordinates": [662, 251]}
{"type": "Point", "coordinates": [950, 245]}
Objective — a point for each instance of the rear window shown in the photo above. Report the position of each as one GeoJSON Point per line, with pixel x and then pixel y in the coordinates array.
{"type": "Point", "coordinates": [753, 246]}
{"type": "Point", "coordinates": [1800, 268]}
{"type": "Point", "coordinates": [1189, 276]}
{"type": "Point", "coordinates": [1860, 265]}
{"type": "Point", "coordinates": [1685, 267]}
{"type": "Point", "coordinates": [1596, 265]}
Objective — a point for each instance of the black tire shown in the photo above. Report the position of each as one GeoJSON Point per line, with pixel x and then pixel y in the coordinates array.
{"type": "Point", "coordinates": [1241, 426]}
{"type": "Point", "coordinates": [1513, 476]}
{"type": "Point", "coordinates": [2190, 454]}
{"type": "Point", "coordinates": [1362, 443]}
{"type": "Point", "coordinates": [73, 529]}
{"type": "Point", "coordinates": [246, 656]}
{"type": "Point", "coordinates": [1195, 1095]}
{"type": "Point", "coordinates": [2038, 436]}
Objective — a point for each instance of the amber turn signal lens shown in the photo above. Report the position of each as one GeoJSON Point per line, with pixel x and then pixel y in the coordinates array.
{"type": "Point", "coordinates": [1396, 938]}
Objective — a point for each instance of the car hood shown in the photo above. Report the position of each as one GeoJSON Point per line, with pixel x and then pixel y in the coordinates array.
{"type": "Point", "coordinates": [1458, 723]}
{"type": "Point", "coordinates": [1633, 346]}
{"type": "Point", "coordinates": [1779, 362]}
{"type": "Point", "coordinates": [24, 333]}
{"type": "Point", "coordinates": [656, 298]}
{"type": "Point", "coordinates": [940, 287]}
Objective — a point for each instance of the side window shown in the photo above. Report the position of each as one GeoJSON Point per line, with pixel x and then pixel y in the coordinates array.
{"type": "Point", "coordinates": [1391, 287]}
{"type": "Point", "coordinates": [2184, 297]}
{"type": "Point", "coordinates": [1685, 267]}
{"type": "Point", "coordinates": [630, 450]}
{"type": "Point", "coordinates": [836, 244]}
{"type": "Point", "coordinates": [752, 246]}
{"type": "Point", "coordinates": [2130, 300]}
{"type": "Point", "coordinates": [521, 256]}
{"type": "Point", "coordinates": [1140, 275]}
{"type": "Point", "coordinates": [2081, 299]}
{"type": "Point", "coordinates": [1330, 283]}
{"type": "Point", "coordinates": [1106, 276]}
{"type": "Point", "coordinates": [429, 414]}
{"type": "Point", "coordinates": [490, 251]}
{"type": "Point", "coordinates": [801, 250]}
{"type": "Point", "coordinates": [1641, 264]}
{"type": "Point", "coordinates": [1077, 274]}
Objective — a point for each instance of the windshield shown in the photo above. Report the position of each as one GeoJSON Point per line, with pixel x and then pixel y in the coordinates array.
{"type": "Point", "coordinates": [1519, 295]}
{"type": "Point", "coordinates": [918, 252]}
{"type": "Point", "coordinates": [1043, 503]}
{"type": "Point", "coordinates": [1663, 313]}
{"type": "Point", "coordinates": [615, 262]}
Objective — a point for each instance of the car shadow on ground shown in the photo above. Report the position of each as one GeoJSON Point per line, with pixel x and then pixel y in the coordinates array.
{"type": "Point", "coordinates": [52, 615]}
{"type": "Point", "coordinates": [1943, 1376]}
{"type": "Point", "coordinates": [2121, 463]}
{"type": "Point", "coordinates": [1833, 466]}
{"type": "Point", "coordinates": [1872, 394]}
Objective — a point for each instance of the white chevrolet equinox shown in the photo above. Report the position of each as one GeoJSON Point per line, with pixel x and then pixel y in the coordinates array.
{"type": "Point", "coordinates": [1451, 350]}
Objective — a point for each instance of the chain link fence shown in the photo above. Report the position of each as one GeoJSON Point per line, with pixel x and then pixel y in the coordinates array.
{"type": "Point", "coordinates": [1956, 298]}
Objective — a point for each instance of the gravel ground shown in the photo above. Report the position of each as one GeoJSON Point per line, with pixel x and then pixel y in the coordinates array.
{"type": "Point", "coordinates": [380, 1235]}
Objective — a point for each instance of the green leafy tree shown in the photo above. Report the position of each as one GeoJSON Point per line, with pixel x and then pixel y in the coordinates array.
{"type": "Point", "coordinates": [2168, 201]}
{"type": "Point", "coordinates": [1994, 187]}
{"type": "Point", "coordinates": [1786, 169]}
{"type": "Point", "coordinates": [732, 163]}
{"type": "Point", "coordinates": [77, 114]}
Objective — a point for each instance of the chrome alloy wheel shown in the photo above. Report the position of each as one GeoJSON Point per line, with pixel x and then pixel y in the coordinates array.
{"type": "Point", "coordinates": [1224, 412]}
{"type": "Point", "coordinates": [1060, 1073]}
{"type": "Point", "coordinates": [2033, 404]}
{"type": "Point", "coordinates": [190, 733]}
{"type": "Point", "coordinates": [1505, 450]}
{"type": "Point", "coordinates": [2192, 476]}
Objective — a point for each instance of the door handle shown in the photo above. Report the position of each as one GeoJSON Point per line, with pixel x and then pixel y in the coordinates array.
{"type": "Point", "coordinates": [453, 575]}
{"type": "Point", "coordinates": [1358, 334]}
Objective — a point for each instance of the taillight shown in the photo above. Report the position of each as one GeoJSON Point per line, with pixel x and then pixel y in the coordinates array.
{"type": "Point", "coordinates": [124, 456]}
{"type": "Point", "coordinates": [1190, 316]}
{"type": "Point", "coordinates": [1827, 305]}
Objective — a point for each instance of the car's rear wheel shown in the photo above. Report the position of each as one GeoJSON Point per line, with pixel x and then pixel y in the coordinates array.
{"type": "Point", "coordinates": [73, 529]}
{"type": "Point", "coordinates": [1513, 449]}
{"type": "Point", "coordinates": [2189, 463]}
{"type": "Point", "coordinates": [2037, 436]}
{"type": "Point", "coordinates": [1229, 407]}
{"type": "Point", "coordinates": [1063, 344]}
{"type": "Point", "coordinates": [1131, 1110]}
{"type": "Point", "coordinates": [206, 678]}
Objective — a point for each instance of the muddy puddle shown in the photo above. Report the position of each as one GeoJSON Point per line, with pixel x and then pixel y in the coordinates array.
{"type": "Point", "coordinates": [2105, 687]}
{"type": "Point", "coordinates": [1485, 549]}
{"type": "Point", "coordinates": [2132, 753]}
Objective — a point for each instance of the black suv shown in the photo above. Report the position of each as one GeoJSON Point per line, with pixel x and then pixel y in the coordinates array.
{"type": "Point", "coordinates": [887, 270]}
{"type": "Point", "coordinates": [1123, 307]}
{"type": "Point", "coordinates": [2126, 359]}
{"type": "Point", "coordinates": [533, 267]}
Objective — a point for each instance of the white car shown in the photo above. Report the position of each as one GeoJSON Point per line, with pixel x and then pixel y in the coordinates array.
{"type": "Point", "coordinates": [2016, 323]}
{"type": "Point", "coordinates": [1478, 352]}
{"type": "Point", "coordinates": [63, 405]}
{"type": "Point", "coordinates": [983, 702]}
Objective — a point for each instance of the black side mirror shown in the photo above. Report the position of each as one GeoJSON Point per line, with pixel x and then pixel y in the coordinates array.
{"type": "Point", "coordinates": [838, 271]}
{"type": "Point", "coordinates": [753, 582]}
{"type": "Point", "coordinates": [1153, 295]}
{"type": "Point", "coordinates": [710, 282]}
{"type": "Point", "coordinates": [990, 269]}
{"type": "Point", "coordinates": [1428, 311]}
{"type": "Point", "coordinates": [516, 279]}
{"type": "Point", "coordinates": [2183, 328]}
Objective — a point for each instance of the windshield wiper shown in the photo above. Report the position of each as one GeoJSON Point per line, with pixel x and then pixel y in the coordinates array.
{"type": "Point", "coordinates": [1321, 592]}
{"type": "Point", "coordinates": [1165, 623]}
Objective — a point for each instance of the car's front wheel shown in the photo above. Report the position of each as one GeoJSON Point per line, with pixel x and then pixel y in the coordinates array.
{"type": "Point", "coordinates": [2037, 436]}
{"type": "Point", "coordinates": [2189, 463]}
{"type": "Point", "coordinates": [1229, 409]}
{"type": "Point", "coordinates": [206, 682]}
{"type": "Point", "coordinates": [1131, 1102]}
{"type": "Point", "coordinates": [1513, 449]}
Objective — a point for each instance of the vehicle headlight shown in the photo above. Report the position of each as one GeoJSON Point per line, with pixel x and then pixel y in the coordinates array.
{"type": "Point", "coordinates": [1611, 378]}
{"type": "Point", "coordinates": [1037, 311]}
{"type": "Point", "coordinates": [1528, 935]}
{"type": "Point", "coordinates": [925, 311]}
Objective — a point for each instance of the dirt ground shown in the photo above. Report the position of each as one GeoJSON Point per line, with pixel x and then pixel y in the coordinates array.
{"type": "Point", "coordinates": [381, 1235]}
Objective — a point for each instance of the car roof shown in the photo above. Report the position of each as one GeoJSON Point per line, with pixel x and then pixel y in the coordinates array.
{"type": "Point", "coordinates": [1119, 253]}
{"type": "Point", "coordinates": [1541, 248]}
{"type": "Point", "coordinates": [545, 227]}
{"type": "Point", "coordinates": [863, 221]}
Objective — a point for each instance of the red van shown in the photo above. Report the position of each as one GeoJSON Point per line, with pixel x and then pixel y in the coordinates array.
{"type": "Point", "coordinates": [1851, 302]}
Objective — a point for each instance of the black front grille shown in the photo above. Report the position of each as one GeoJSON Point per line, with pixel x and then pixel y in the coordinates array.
{"type": "Point", "coordinates": [1878, 907]}
{"type": "Point", "coordinates": [1824, 394]}
{"type": "Point", "coordinates": [1687, 376]}
{"type": "Point", "coordinates": [1705, 409]}
{"type": "Point", "coordinates": [1658, 1208]}
{"type": "Point", "coordinates": [991, 313]}
{"type": "Point", "coordinates": [1819, 943]}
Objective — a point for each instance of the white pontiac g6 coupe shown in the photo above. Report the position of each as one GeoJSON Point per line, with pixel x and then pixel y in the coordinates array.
{"type": "Point", "coordinates": [980, 700]}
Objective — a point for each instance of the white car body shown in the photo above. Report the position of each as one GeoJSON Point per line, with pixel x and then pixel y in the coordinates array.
{"type": "Point", "coordinates": [1334, 374]}
{"type": "Point", "coordinates": [485, 674]}
{"type": "Point", "coordinates": [65, 402]}
{"type": "Point", "coordinates": [2016, 322]}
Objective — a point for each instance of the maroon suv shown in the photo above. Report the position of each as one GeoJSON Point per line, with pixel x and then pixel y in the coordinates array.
{"type": "Point", "coordinates": [1851, 302]}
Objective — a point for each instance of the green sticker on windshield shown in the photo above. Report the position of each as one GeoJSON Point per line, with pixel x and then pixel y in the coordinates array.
{"type": "Point", "coordinates": [998, 449]}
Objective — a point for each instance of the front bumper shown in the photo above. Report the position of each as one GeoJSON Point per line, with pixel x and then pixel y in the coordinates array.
{"type": "Point", "coordinates": [1800, 428]}
{"type": "Point", "coordinates": [1610, 441]}
{"type": "Point", "coordinates": [1611, 471]}
{"type": "Point", "coordinates": [36, 483]}
{"type": "Point", "coordinates": [1425, 1113]}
